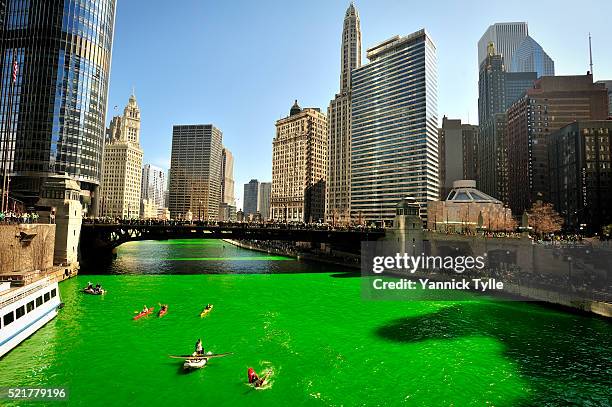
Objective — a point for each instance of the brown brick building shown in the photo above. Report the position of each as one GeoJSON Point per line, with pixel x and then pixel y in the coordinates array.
{"type": "Point", "coordinates": [554, 102]}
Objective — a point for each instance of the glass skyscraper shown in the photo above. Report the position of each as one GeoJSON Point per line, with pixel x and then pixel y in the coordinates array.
{"type": "Point", "coordinates": [62, 49]}
{"type": "Point", "coordinates": [530, 57]}
{"type": "Point", "coordinates": [394, 127]}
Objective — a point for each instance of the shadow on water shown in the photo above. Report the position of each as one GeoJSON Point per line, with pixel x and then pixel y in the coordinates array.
{"type": "Point", "coordinates": [348, 274]}
{"type": "Point", "coordinates": [579, 360]}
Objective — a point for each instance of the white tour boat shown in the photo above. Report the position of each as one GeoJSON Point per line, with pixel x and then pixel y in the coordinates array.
{"type": "Point", "coordinates": [24, 310]}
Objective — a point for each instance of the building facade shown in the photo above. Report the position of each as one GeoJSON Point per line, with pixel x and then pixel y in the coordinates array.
{"type": "Point", "coordinates": [250, 200]}
{"type": "Point", "coordinates": [153, 190]}
{"type": "Point", "coordinates": [394, 128]}
{"type": "Point", "coordinates": [497, 90]}
{"type": "Point", "coordinates": [506, 37]}
{"type": "Point", "coordinates": [299, 166]}
{"type": "Point", "coordinates": [58, 100]}
{"type": "Point", "coordinates": [227, 178]}
{"type": "Point", "coordinates": [531, 57]}
{"type": "Point", "coordinates": [122, 165]}
{"type": "Point", "coordinates": [338, 185]}
{"type": "Point", "coordinates": [195, 168]}
{"type": "Point", "coordinates": [458, 153]}
{"type": "Point", "coordinates": [580, 162]}
{"type": "Point", "coordinates": [265, 193]}
{"type": "Point", "coordinates": [552, 103]}
{"type": "Point", "coordinates": [608, 85]}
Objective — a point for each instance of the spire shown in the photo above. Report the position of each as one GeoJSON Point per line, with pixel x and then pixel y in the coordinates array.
{"type": "Point", "coordinates": [351, 47]}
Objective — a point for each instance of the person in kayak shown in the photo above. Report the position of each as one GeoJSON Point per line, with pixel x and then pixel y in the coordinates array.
{"type": "Point", "coordinates": [89, 286]}
{"type": "Point", "coordinates": [253, 378]}
{"type": "Point", "coordinates": [199, 349]}
{"type": "Point", "coordinates": [145, 309]}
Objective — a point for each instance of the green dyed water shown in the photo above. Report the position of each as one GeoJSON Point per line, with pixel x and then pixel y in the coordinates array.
{"type": "Point", "coordinates": [325, 345]}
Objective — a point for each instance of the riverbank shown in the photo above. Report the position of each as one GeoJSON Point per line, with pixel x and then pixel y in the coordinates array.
{"type": "Point", "coordinates": [342, 259]}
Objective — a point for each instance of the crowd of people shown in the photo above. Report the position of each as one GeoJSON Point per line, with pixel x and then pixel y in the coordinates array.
{"type": "Point", "coordinates": [18, 217]}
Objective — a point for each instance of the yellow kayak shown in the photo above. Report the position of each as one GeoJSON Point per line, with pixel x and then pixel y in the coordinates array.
{"type": "Point", "coordinates": [205, 311]}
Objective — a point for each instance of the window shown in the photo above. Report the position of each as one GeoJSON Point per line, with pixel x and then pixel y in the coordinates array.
{"type": "Point", "coordinates": [20, 312]}
{"type": "Point", "coordinates": [47, 297]}
{"type": "Point", "coordinates": [8, 318]}
{"type": "Point", "coordinates": [39, 301]}
{"type": "Point", "coordinates": [53, 293]}
{"type": "Point", "coordinates": [30, 306]}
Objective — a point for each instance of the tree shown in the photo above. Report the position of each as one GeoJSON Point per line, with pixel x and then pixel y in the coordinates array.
{"type": "Point", "coordinates": [544, 219]}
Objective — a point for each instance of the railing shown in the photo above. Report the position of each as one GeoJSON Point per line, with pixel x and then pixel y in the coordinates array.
{"type": "Point", "coordinates": [39, 286]}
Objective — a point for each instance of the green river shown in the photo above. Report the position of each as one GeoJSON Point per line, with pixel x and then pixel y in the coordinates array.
{"type": "Point", "coordinates": [308, 324]}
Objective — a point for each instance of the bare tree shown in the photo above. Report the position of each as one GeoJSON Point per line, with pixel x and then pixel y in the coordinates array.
{"type": "Point", "coordinates": [544, 219]}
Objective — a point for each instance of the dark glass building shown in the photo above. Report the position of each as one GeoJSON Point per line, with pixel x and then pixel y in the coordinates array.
{"type": "Point", "coordinates": [59, 99]}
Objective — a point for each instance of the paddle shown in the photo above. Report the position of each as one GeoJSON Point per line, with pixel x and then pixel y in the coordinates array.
{"type": "Point", "coordinates": [214, 355]}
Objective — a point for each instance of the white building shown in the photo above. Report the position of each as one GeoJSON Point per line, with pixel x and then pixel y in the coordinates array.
{"type": "Point", "coordinates": [122, 165]}
{"type": "Point", "coordinates": [153, 190]}
{"type": "Point", "coordinates": [394, 128]}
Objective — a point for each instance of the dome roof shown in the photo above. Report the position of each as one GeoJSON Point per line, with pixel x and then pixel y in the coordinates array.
{"type": "Point", "coordinates": [465, 191]}
{"type": "Point", "coordinates": [295, 109]}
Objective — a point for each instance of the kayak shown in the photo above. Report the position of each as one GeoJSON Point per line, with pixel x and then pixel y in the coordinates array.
{"type": "Point", "coordinates": [205, 311]}
{"type": "Point", "coordinates": [208, 356]}
{"type": "Point", "coordinates": [261, 383]}
{"type": "Point", "coordinates": [195, 363]}
{"type": "Point", "coordinates": [162, 312]}
{"type": "Point", "coordinates": [94, 292]}
{"type": "Point", "coordinates": [142, 314]}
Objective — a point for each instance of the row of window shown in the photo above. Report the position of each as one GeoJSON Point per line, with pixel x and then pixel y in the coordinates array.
{"type": "Point", "coordinates": [29, 307]}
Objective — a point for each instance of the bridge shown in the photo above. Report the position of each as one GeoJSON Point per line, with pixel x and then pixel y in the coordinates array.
{"type": "Point", "coordinates": [104, 237]}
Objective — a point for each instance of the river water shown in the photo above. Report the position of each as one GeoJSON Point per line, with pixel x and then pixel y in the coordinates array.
{"type": "Point", "coordinates": [308, 324]}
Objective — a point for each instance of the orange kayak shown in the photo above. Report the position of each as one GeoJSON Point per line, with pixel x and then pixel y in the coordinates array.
{"type": "Point", "coordinates": [142, 314]}
{"type": "Point", "coordinates": [162, 312]}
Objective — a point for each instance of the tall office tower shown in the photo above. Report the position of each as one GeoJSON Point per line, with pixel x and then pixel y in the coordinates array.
{"type": "Point", "coordinates": [227, 178]}
{"type": "Point", "coordinates": [530, 57]}
{"type": "Point", "coordinates": [338, 188]}
{"type": "Point", "coordinates": [581, 174]}
{"type": "Point", "coordinates": [608, 85]}
{"type": "Point", "coordinates": [394, 127]}
{"type": "Point", "coordinates": [195, 166]}
{"type": "Point", "coordinates": [554, 102]}
{"type": "Point", "coordinates": [458, 154]}
{"type": "Point", "coordinates": [153, 188]}
{"type": "Point", "coordinates": [299, 164]}
{"type": "Point", "coordinates": [506, 37]}
{"type": "Point", "coordinates": [265, 193]}
{"type": "Point", "coordinates": [59, 96]}
{"type": "Point", "coordinates": [250, 205]}
{"type": "Point", "coordinates": [497, 90]}
{"type": "Point", "coordinates": [122, 165]}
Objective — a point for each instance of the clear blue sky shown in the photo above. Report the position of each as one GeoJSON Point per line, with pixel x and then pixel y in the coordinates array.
{"type": "Point", "coordinates": [240, 64]}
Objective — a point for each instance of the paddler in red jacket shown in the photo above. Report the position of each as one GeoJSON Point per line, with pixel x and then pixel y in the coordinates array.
{"type": "Point", "coordinates": [253, 378]}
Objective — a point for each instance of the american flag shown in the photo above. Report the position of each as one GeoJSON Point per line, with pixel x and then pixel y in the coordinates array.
{"type": "Point", "coordinates": [15, 70]}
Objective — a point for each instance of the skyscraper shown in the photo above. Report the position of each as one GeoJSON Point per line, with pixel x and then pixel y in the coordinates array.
{"type": "Point", "coordinates": [497, 90]}
{"type": "Point", "coordinates": [457, 153]}
{"type": "Point", "coordinates": [195, 168]}
{"type": "Point", "coordinates": [265, 193]}
{"type": "Point", "coordinates": [250, 204]}
{"type": "Point", "coordinates": [153, 187]}
{"type": "Point", "coordinates": [122, 165]}
{"type": "Point", "coordinates": [608, 85]}
{"type": "Point", "coordinates": [553, 102]}
{"type": "Point", "coordinates": [227, 178]}
{"type": "Point", "coordinates": [394, 127]}
{"type": "Point", "coordinates": [59, 97]}
{"type": "Point", "coordinates": [299, 164]}
{"type": "Point", "coordinates": [338, 186]}
{"type": "Point", "coordinates": [506, 37]}
{"type": "Point", "coordinates": [530, 57]}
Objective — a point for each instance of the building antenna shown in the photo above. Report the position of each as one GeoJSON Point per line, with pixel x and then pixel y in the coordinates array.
{"type": "Point", "coordinates": [590, 55]}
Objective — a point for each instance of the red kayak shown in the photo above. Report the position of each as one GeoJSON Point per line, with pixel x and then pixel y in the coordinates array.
{"type": "Point", "coordinates": [162, 311]}
{"type": "Point", "coordinates": [142, 314]}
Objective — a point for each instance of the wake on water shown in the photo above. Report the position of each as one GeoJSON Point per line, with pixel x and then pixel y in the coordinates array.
{"type": "Point", "coordinates": [268, 372]}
